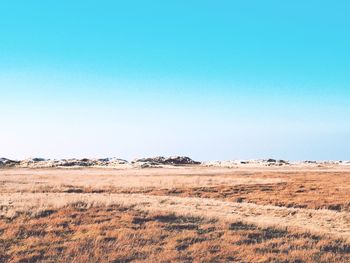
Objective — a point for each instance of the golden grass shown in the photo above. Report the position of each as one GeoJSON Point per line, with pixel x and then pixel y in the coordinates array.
{"type": "Point", "coordinates": [200, 214]}
{"type": "Point", "coordinates": [59, 180]}
{"type": "Point", "coordinates": [316, 221]}
{"type": "Point", "coordinates": [120, 234]}
{"type": "Point", "coordinates": [313, 190]}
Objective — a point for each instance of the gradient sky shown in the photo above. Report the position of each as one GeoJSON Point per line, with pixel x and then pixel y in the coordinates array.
{"type": "Point", "coordinates": [207, 79]}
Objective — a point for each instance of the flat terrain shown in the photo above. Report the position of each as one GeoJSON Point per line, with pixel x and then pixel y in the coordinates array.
{"type": "Point", "coordinates": [184, 214]}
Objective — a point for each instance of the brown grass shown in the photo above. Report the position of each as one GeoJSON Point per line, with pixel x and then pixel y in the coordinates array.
{"type": "Point", "coordinates": [192, 214]}
{"type": "Point", "coordinates": [119, 234]}
{"type": "Point", "coordinates": [327, 222]}
{"type": "Point", "coordinates": [314, 189]}
{"type": "Point", "coordinates": [321, 190]}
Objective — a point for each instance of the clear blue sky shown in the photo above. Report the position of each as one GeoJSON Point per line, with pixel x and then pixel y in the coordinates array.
{"type": "Point", "coordinates": [208, 79]}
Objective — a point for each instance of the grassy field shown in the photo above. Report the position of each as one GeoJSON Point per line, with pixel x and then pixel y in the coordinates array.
{"type": "Point", "coordinates": [184, 214]}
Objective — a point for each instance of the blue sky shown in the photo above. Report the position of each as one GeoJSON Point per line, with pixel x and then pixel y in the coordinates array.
{"type": "Point", "coordinates": [208, 79]}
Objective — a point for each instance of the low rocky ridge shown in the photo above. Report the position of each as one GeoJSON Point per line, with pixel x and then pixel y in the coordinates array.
{"type": "Point", "coordinates": [8, 162]}
{"type": "Point", "coordinates": [50, 163]}
{"type": "Point", "coordinates": [155, 162]}
{"type": "Point", "coordinates": [160, 161]}
{"type": "Point", "coordinates": [105, 162]}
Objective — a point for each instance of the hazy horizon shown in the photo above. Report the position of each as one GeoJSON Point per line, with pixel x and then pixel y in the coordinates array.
{"type": "Point", "coordinates": [209, 80]}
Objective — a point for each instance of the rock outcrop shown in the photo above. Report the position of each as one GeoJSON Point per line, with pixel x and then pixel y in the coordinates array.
{"type": "Point", "coordinates": [7, 162]}
{"type": "Point", "coordinates": [155, 162]}
{"type": "Point", "coordinates": [50, 163]}
{"type": "Point", "coordinates": [160, 161]}
{"type": "Point", "coordinates": [103, 162]}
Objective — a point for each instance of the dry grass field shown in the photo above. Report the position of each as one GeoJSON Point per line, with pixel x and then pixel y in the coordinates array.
{"type": "Point", "coordinates": [182, 214]}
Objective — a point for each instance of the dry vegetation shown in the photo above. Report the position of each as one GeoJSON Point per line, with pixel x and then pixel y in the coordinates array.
{"type": "Point", "coordinates": [165, 215]}
{"type": "Point", "coordinates": [314, 190]}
